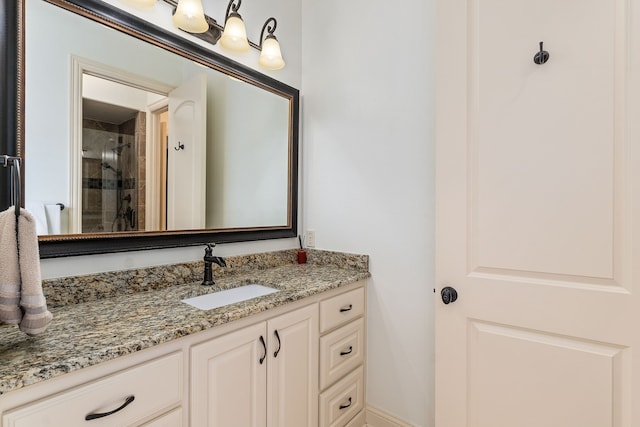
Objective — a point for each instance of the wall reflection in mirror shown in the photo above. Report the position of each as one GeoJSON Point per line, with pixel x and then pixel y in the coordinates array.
{"type": "Point", "coordinates": [131, 137]}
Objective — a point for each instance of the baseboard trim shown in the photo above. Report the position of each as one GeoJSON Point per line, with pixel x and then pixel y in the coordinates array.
{"type": "Point", "coordinates": [358, 421]}
{"type": "Point", "coordinates": [378, 418]}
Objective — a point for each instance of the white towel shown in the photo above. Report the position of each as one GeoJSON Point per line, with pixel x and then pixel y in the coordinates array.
{"type": "Point", "coordinates": [9, 272]}
{"type": "Point", "coordinates": [37, 209]}
{"type": "Point", "coordinates": [53, 218]}
{"type": "Point", "coordinates": [20, 277]}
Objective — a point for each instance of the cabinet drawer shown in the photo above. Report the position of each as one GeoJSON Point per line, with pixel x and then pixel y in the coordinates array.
{"type": "Point", "coordinates": [341, 402]}
{"type": "Point", "coordinates": [341, 309]}
{"type": "Point", "coordinates": [155, 385]}
{"type": "Point", "coordinates": [340, 352]}
{"type": "Point", "coordinates": [170, 419]}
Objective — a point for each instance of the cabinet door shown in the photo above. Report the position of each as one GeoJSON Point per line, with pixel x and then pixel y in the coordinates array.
{"type": "Point", "coordinates": [228, 380]}
{"type": "Point", "coordinates": [292, 372]}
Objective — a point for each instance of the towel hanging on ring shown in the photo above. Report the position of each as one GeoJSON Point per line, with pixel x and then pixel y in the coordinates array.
{"type": "Point", "coordinates": [22, 300]}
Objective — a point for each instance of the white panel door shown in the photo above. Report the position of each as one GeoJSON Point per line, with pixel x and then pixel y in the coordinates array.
{"type": "Point", "coordinates": [538, 184]}
{"type": "Point", "coordinates": [292, 371]}
{"type": "Point", "coordinates": [229, 380]}
{"type": "Point", "coordinates": [186, 155]}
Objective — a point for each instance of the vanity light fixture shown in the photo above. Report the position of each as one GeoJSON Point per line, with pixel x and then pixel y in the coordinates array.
{"type": "Point", "coordinates": [234, 36]}
{"type": "Point", "coordinates": [189, 16]}
{"type": "Point", "coordinates": [271, 56]}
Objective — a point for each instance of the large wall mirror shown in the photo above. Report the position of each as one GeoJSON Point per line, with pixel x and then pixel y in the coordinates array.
{"type": "Point", "coordinates": [147, 139]}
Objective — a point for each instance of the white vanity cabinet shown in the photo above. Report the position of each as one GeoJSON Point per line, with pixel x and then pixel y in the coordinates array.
{"type": "Point", "coordinates": [127, 398]}
{"type": "Point", "coordinates": [342, 348]}
{"type": "Point", "coordinates": [299, 365]}
{"type": "Point", "coordinates": [262, 375]}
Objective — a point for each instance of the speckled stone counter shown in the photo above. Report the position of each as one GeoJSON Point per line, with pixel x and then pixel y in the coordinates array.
{"type": "Point", "coordinates": [101, 317]}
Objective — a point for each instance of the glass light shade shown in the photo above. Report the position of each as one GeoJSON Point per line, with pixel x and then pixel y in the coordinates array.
{"type": "Point", "coordinates": [234, 36]}
{"type": "Point", "coordinates": [271, 57]}
{"type": "Point", "coordinates": [189, 16]}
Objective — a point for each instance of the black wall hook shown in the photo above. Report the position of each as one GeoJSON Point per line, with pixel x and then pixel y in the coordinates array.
{"type": "Point", "coordinates": [179, 147]}
{"type": "Point", "coordinates": [542, 56]}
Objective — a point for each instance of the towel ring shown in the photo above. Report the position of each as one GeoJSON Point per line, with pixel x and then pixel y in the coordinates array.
{"type": "Point", "coordinates": [15, 197]}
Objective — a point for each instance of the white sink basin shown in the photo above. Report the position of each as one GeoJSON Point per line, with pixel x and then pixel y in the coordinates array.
{"type": "Point", "coordinates": [229, 296]}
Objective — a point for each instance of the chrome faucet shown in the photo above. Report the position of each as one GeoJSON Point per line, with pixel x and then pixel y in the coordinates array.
{"type": "Point", "coordinates": [208, 259]}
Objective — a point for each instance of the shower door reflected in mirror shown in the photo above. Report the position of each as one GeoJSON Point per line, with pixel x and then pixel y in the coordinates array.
{"type": "Point", "coordinates": [114, 145]}
{"type": "Point", "coordinates": [113, 142]}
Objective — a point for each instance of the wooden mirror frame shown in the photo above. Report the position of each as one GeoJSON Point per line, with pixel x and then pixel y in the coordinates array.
{"type": "Point", "coordinates": [12, 132]}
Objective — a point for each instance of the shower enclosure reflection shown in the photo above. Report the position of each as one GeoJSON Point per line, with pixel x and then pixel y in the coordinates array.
{"type": "Point", "coordinates": [114, 149]}
{"type": "Point", "coordinates": [112, 182]}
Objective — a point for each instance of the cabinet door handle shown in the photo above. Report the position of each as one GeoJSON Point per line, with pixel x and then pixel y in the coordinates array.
{"type": "Point", "coordinates": [275, 353]}
{"type": "Point", "coordinates": [344, 353]}
{"type": "Point", "coordinates": [126, 403]}
{"type": "Point", "coordinates": [264, 347]}
{"type": "Point", "coordinates": [346, 308]}
{"type": "Point", "coordinates": [345, 406]}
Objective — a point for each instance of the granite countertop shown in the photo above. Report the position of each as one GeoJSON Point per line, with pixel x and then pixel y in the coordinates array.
{"type": "Point", "coordinates": [100, 325]}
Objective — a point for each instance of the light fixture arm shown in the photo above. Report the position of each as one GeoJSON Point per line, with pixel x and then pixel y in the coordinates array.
{"type": "Point", "coordinates": [232, 8]}
{"type": "Point", "coordinates": [270, 30]}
